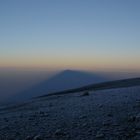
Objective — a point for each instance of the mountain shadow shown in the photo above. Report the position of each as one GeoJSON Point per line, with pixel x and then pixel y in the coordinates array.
{"type": "Point", "coordinates": [66, 79]}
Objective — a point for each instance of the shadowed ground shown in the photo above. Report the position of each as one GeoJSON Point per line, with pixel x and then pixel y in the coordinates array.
{"type": "Point", "coordinates": [111, 114]}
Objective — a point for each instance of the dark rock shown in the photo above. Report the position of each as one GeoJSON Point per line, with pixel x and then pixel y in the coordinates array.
{"type": "Point", "coordinates": [59, 132]}
{"type": "Point", "coordinates": [5, 128]}
{"type": "Point", "coordinates": [17, 133]}
{"type": "Point", "coordinates": [85, 124]}
{"type": "Point", "coordinates": [137, 126]}
{"type": "Point", "coordinates": [50, 105]}
{"type": "Point", "coordinates": [100, 106]}
{"type": "Point", "coordinates": [138, 117]}
{"type": "Point", "coordinates": [100, 135]}
{"type": "Point", "coordinates": [29, 138]}
{"type": "Point", "coordinates": [110, 115]}
{"type": "Point", "coordinates": [130, 133]}
{"type": "Point", "coordinates": [131, 119]}
{"type": "Point", "coordinates": [37, 137]}
{"type": "Point", "coordinates": [82, 117]}
{"type": "Point", "coordinates": [21, 116]}
{"type": "Point", "coordinates": [138, 132]}
{"type": "Point", "coordinates": [85, 93]}
{"type": "Point", "coordinates": [41, 112]}
{"type": "Point", "coordinates": [6, 120]}
{"type": "Point", "coordinates": [107, 123]}
{"type": "Point", "coordinates": [115, 124]}
{"type": "Point", "coordinates": [44, 116]}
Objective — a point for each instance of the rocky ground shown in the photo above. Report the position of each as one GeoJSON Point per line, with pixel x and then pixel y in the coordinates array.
{"type": "Point", "coordinates": [109, 115]}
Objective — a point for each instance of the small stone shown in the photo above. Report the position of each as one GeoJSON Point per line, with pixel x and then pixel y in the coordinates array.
{"type": "Point", "coordinates": [137, 127]}
{"type": "Point", "coordinates": [6, 120]}
{"type": "Point", "coordinates": [138, 101]}
{"type": "Point", "coordinates": [82, 116]}
{"type": "Point", "coordinates": [138, 117]}
{"type": "Point", "coordinates": [31, 119]}
{"type": "Point", "coordinates": [29, 138]}
{"type": "Point", "coordinates": [90, 131]}
{"type": "Point", "coordinates": [130, 133]}
{"type": "Point", "coordinates": [62, 108]}
{"type": "Point", "coordinates": [5, 128]}
{"type": "Point", "coordinates": [12, 139]}
{"type": "Point", "coordinates": [115, 124]}
{"type": "Point", "coordinates": [110, 115]}
{"type": "Point", "coordinates": [21, 116]}
{"type": "Point", "coordinates": [38, 137]}
{"type": "Point", "coordinates": [100, 106]}
{"type": "Point", "coordinates": [137, 104]}
{"type": "Point", "coordinates": [99, 135]}
{"type": "Point", "coordinates": [131, 119]}
{"type": "Point", "coordinates": [17, 133]}
{"type": "Point", "coordinates": [50, 105]}
{"type": "Point", "coordinates": [84, 124]}
{"type": "Point", "coordinates": [85, 93]}
{"type": "Point", "coordinates": [138, 132]}
{"type": "Point", "coordinates": [59, 132]}
{"type": "Point", "coordinates": [106, 123]}
{"type": "Point", "coordinates": [41, 112]}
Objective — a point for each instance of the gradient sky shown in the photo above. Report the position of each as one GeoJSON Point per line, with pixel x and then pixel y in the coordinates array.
{"type": "Point", "coordinates": [70, 34]}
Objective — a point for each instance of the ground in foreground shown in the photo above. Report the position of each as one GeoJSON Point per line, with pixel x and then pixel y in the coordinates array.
{"type": "Point", "coordinates": [112, 114]}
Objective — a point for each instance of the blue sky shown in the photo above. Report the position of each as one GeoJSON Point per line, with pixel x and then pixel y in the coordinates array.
{"type": "Point", "coordinates": [70, 34]}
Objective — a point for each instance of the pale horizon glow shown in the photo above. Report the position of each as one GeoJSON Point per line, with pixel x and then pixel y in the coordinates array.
{"type": "Point", "coordinates": [76, 34]}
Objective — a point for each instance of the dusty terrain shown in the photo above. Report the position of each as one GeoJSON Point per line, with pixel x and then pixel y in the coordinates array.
{"type": "Point", "coordinates": [112, 114]}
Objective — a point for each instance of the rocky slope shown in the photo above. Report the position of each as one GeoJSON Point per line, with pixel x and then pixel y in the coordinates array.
{"type": "Point", "coordinates": [112, 114]}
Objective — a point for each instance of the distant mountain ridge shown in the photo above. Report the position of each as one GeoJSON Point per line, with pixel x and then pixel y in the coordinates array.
{"type": "Point", "coordinates": [66, 79]}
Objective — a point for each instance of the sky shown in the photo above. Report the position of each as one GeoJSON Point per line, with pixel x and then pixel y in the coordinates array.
{"type": "Point", "coordinates": [70, 34]}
